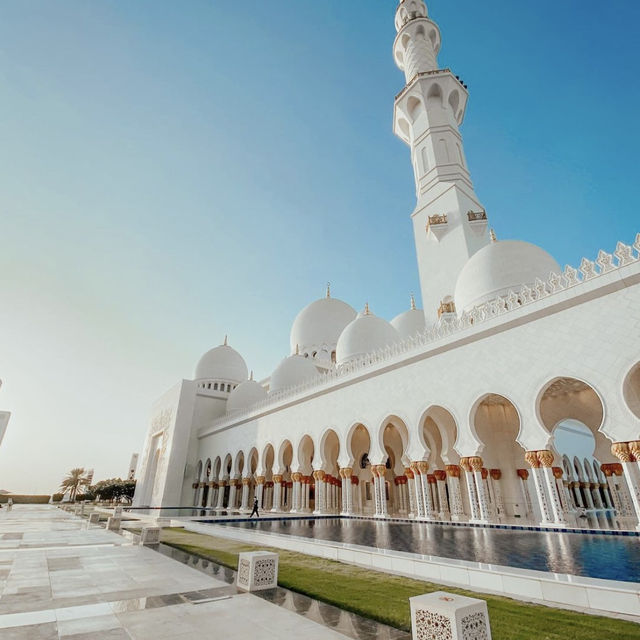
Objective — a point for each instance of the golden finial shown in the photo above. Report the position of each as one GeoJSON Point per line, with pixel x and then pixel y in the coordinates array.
{"type": "Point", "coordinates": [366, 309]}
{"type": "Point", "coordinates": [493, 236]}
{"type": "Point", "coordinates": [328, 289]}
{"type": "Point", "coordinates": [413, 302]}
{"type": "Point", "coordinates": [226, 340]}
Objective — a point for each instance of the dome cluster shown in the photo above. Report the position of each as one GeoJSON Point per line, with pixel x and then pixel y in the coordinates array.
{"type": "Point", "coordinates": [329, 333]}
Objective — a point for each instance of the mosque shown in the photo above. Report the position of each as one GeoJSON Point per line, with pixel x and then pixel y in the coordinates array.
{"type": "Point", "coordinates": [460, 411]}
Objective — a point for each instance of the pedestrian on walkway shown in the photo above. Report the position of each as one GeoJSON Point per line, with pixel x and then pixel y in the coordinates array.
{"type": "Point", "coordinates": [9, 504]}
{"type": "Point", "coordinates": [255, 509]}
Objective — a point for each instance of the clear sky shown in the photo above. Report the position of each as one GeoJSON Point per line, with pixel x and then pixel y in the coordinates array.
{"type": "Point", "coordinates": [174, 171]}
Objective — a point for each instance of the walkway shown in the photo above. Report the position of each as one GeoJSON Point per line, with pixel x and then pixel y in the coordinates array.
{"type": "Point", "coordinates": [61, 579]}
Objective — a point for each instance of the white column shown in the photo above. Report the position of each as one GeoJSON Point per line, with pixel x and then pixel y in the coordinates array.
{"type": "Point", "coordinates": [471, 489]}
{"type": "Point", "coordinates": [628, 453]}
{"type": "Point", "coordinates": [481, 488]}
{"type": "Point", "coordinates": [595, 492]}
{"type": "Point", "coordinates": [540, 481]}
{"type": "Point", "coordinates": [411, 487]}
{"type": "Point", "coordinates": [220, 502]}
{"type": "Point", "coordinates": [495, 476]}
{"type": "Point", "coordinates": [455, 493]}
{"type": "Point", "coordinates": [277, 493]}
{"type": "Point", "coordinates": [429, 511]}
{"type": "Point", "coordinates": [260, 491]}
{"type": "Point", "coordinates": [319, 492]}
{"type": "Point", "coordinates": [546, 460]}
{"type": "Point", "coordinates": [244, 505]}
{"type": "Point", "coordinates": [441, 479]}
{"type": "Point", "coordinates": [232, 494]}
{"type": "Point", "coordinates": [381, 496]}
{"type": "Point", "coordinates": [417, 483]}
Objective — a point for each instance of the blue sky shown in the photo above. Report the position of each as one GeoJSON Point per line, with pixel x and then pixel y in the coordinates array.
{"type": "Point", "coordinates": [171, 172]}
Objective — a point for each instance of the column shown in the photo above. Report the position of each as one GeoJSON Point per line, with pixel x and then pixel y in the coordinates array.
{"type": "Point", "coordinates": [483, 497]}
{"type": "Point", "coordinates": [565, 502]}
{"type": "Point", "coordinates": [622, 490]}
{"type": "Point", "coordinates": [429, 511]}
{"type": "Point", "coordinates": [244, 505]}
{"type": "Point", "coordinates": [471, 488]}
{"type": "Point", "coordinates": [296, 500]}
{"type": "Point", "coordinates": [607, 470]}
{"type": "Point", "coordinates": [381, 490]}
{"type": "Point", "coordinates": [577, 494]}
{"type": "Point", "coordinates": [594, 488]}
{"type": "Point", "coordinates": [277, 492]}
{"type": "Point", "coordinates": [626, 455]}
{"type": "Point", "coordinates": [496, 477]}
{"type": "Point", "coordinates": [523, 474]}
{"type": "Point", "coordinates": [319, 501]}
{"type": "Point", "coordinates": [532, 458]}
{"type": "Point", "coordinates": [411, 492]}
{"type": "Point", "coordinates": [587, 494]}
{"type": "Point", "coordinates": [233, 483]}
{"type": "Point", "coordinates": [546, 461]}
{"type": "Point", "coordinates": [220, 503]}
{"type": "Point", "coordinates": [455, 493]}
{"type": "Point", "coordinates": [441, 485]}
{"type": "Point", "coordinates": [417, 483]}
{"type": "Point", "coordinates": [260, 480]}
{"type": "Point", "coordinates": [211, 500]}
{"type": "Point", "coordinates": [347, 494]}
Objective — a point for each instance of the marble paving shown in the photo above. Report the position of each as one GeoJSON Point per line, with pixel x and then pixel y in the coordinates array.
{"type": "Point", "coordinates": [60, 578]}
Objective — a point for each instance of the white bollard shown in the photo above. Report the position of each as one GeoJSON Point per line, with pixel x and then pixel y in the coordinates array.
{"type": "Point", "coordinates": [113, 524]}
{"type": "Point", "coordinates": [257, 570]}
{"type": "Point", "coordinates": [150, 535]}
{"type": "Point", "coordinates": [442, 615]}
{"type": "Point", "coordinates": [117, 512]}
{"type": "Point", "coordinates": [94, 518]}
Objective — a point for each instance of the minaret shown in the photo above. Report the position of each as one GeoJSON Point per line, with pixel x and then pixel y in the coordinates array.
{"type": "Point", "coordinates": [449, 223]}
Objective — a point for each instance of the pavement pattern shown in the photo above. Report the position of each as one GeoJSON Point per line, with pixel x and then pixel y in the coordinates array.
{"type": "Point", "coordinates": [61, 578]}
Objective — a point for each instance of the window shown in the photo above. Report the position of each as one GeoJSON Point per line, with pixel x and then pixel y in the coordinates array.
{"type": "Point", "coordinates": [209, 386]}
{"type": "Point", "coordinates": [215, 386]}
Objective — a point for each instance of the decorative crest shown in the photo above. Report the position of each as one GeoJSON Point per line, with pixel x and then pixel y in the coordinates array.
{"type": "Point", "coordinates": [366, 309]}
{"type": "Point", "coordinates": [328, 289]}
{"type": "Point", "coordinates": [493, 236]}
{"type": "Point", "coordinates": [413, 302]}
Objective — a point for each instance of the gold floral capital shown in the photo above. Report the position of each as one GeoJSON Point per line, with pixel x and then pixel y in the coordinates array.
{"type": "Point", "coordinates": [464, 463]}
{"type": "Point", "coordinates": [532, 458]}
{"type": "Point", "coordinates": [546, 458]}
{"type": "Point", "coordinates": [424, 467]}
{"type": "Point", "coordinates": [621, 451]}
{"type": "Point", "coordinates": [453, 470]}
{"type": "Point", "coordinates": [475, 462]}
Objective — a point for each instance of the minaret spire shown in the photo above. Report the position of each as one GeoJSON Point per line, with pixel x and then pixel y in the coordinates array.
{"type": "Point", "coordinates": [449, 223]}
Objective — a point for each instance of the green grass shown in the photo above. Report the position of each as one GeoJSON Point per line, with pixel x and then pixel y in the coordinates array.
{"type": "Point", "coordinates": [385, 597]}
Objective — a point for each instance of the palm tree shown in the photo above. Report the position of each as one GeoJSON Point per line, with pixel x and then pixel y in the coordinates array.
{"type": "Point", "coordinates": [73, 481]}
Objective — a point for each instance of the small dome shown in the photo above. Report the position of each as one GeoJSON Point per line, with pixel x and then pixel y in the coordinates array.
{"type": "Point", "coordinates": [367, 333]}
{"type": "Point", "coordinates": [409, 323]}
{"type": "Point", "coordinates": [291, 371]}
{"type": "Point", "coordinates": [245, 395]}
{"type": "Point", "coordinates": [320, 323]}
{"type": "Point", "coordinates": [222, 363]}
{"type": "Point", "coordinates": [500, 267]}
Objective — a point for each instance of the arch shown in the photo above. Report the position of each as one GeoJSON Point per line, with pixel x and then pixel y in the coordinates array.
{"type": "Point", "coordinates": [454, 101]}
{"type": "Point", "coordinates": [217, 465]}
{"type": "Point", "coordinates": [358, 441]}
{"type": "Point", "coordinates": [306, 451]}
{"type": "Point", "coordinates": [267, 460]}
{"type": "Point", "coordinates": [199, 471]}
{"type": "Point", "coordinates": [434, 95]}
{"type": "Point", "coordinates": [414, 107]}
{"type": "Point", "coordinates": [329, 452]}
{"type": "Point", "coordinates": [438, 432]}
{"type": "Point", "coordinates": [631, 390]}
{"type": "Point", "coordinates": [358, 448]}
{"type": "Point", "coordinates": [285, 455]}
{"type": "Point", "coordinates": [394, 428]}
{"type": "Point", "coordinates": [227, 466]}
{"type": "Point", "coordinates": [238, 466]}
{"type": "Point", "coordinates": [586, 465]}
{"type": "Point", "coordinates": [394, 439]}
{"type": "Point", "coordinates": [577, 465]}
{"type": "Point", "coordinates": [404, 127]}
{"type": "Point", "coordinates": [252, 462]}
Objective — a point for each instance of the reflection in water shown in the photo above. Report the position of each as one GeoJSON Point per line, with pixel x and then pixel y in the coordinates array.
{"type": "Point", "coordinates": [594, 555]}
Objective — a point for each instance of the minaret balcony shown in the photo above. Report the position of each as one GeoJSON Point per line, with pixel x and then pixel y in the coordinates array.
{"type": "Point", "coordinates": [477, 220]}
{"type": "Point", "coordinates": [438, 225]}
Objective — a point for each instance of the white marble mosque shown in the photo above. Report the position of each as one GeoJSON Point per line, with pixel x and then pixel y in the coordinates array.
{"type": "Point", "coordinates": [513, 395]}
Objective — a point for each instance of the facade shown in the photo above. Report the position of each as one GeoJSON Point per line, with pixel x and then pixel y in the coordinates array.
{"type": "Point", "coordinates": [446, 413]}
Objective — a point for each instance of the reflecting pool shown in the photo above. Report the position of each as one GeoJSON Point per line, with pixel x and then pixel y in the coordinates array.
{"type": "Point", "coordinates": [611, 557]}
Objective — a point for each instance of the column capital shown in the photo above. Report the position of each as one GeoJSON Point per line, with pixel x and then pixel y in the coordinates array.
{"type": "Point", "coordinates": [475, 462]}
{"type": "Point", "coordinates": [621, 451]}
{"type": "Point", "coordinates": [424, 467]}
{"type": "Point", "coordinates": [440, 475]}
{"type": "Point", "coordinates": [496, 474]}
{"type": "Point", "coordinates": [452, 470]}
{"type": "Point", "coordinates": [532, 458]}
{"type": "Point", "coordinates": [296, 477]}
{"type": "Point", "coordinates": [634, 447]}
{"type": "Point", "coordinates": [319, 475]}
{"type": "Point", "coordinates": [409, 473]}
{"type": "Point", "coordinates": [523, 473]}
{"type": "Point", "coordinates": [246, 481]}
{"type": "Point", "coordinates": [464, 463]}
{"type": "Point", "coordinates": [346, 472]}
{"type": "Point", "coordinates": [546, 458]}
{"type": "Point", "coordinates": [557, 472]}
{"type": "Point", "coordinates": [277, 478]}
{"type": "Point", "coordinates": [260, 480]}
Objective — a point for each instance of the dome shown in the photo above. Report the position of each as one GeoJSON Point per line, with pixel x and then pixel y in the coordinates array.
{"type": "Point", "coordinates": [222, 363]}
{"type": "Point", "coordinates": [246, 394]}
{"type": "Point", "coordinates": [409, 323]}
{"type": "Point", "coordinates": [499, 267]}
{"type": "Point", "coordinates": [363, 335]}
{"type": "Point", "coordinates": [320, 323]}
{"type": "Point", "coordinates": [291, 371]}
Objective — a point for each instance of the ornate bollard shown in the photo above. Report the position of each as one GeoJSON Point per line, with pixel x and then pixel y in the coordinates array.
{"type": "Point", "coordinates": [150, 535]}
{"type": "Point", "coordinates": [117, 512]}
{"type": "Point", "coordinates": [94, 518]}
{"type": "Point", "coordinates": [113, 524]}
{"type": "Point", "coordinates": [445, 616]}
{"type": "Point", "coordinates": [257, 570]}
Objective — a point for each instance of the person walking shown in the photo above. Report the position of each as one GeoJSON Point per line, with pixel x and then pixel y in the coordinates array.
{"type": "Point", "coordinates": [9, 504]}
{"type": "Point", "coordinates": [255, 509]}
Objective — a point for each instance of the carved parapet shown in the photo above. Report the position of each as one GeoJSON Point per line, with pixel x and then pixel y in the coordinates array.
{"type": "Point", "coordinates": [532, 458]}
{"type": "Point", "coordinates": [546, 458]}
{"type": "Point", "coordinates": [453, 470]}
{"type": "Point", "coordinates": [496, 474]}
{"type": "Point", "coordinates": [446, 307]}
{"type": "Point", "coordinates": [476, 216]}
{"type": "Point", "coordinates": [524, 473]}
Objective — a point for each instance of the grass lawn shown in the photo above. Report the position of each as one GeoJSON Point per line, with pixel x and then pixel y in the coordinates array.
{"type": "Point", "coordinates": [385, 597]}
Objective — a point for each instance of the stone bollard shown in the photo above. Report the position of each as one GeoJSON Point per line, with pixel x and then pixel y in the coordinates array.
{"type": "Point", "coordinates": [257, 570]}
{"type": "Point", "coordinates": [150, 535]}
{"type": "Point", "coordinates": [441, 615]}
{"type": "Point", "coordinates": [113, 524]}
{"type": "Point", "coordinates": [94, 518]}
{"type": "Point", "coordinates": [117, 512]}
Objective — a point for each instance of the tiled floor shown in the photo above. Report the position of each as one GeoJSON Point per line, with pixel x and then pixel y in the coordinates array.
{"type": "Point", "coordinates": [61, 579]}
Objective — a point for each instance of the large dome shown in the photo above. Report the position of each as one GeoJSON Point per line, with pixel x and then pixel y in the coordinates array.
{"type": "Point", "coordinates": [500, 267]}
{"type": "Point", "coordinates": [245, 395]}
{"type": "Point", "coordinates": [291, 371]}
{"type": "Point", "coordinates": [367, 333]}
{"type": "Point", "coordinates": [409, 323]}
{"type": "Point", "coordinates": [320, 323]}
{"type": "Point", "coordinates": [222, 363]}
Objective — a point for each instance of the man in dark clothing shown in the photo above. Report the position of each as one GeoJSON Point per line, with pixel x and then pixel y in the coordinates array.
{"type": "Point", "coordinates": [255, 508]}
